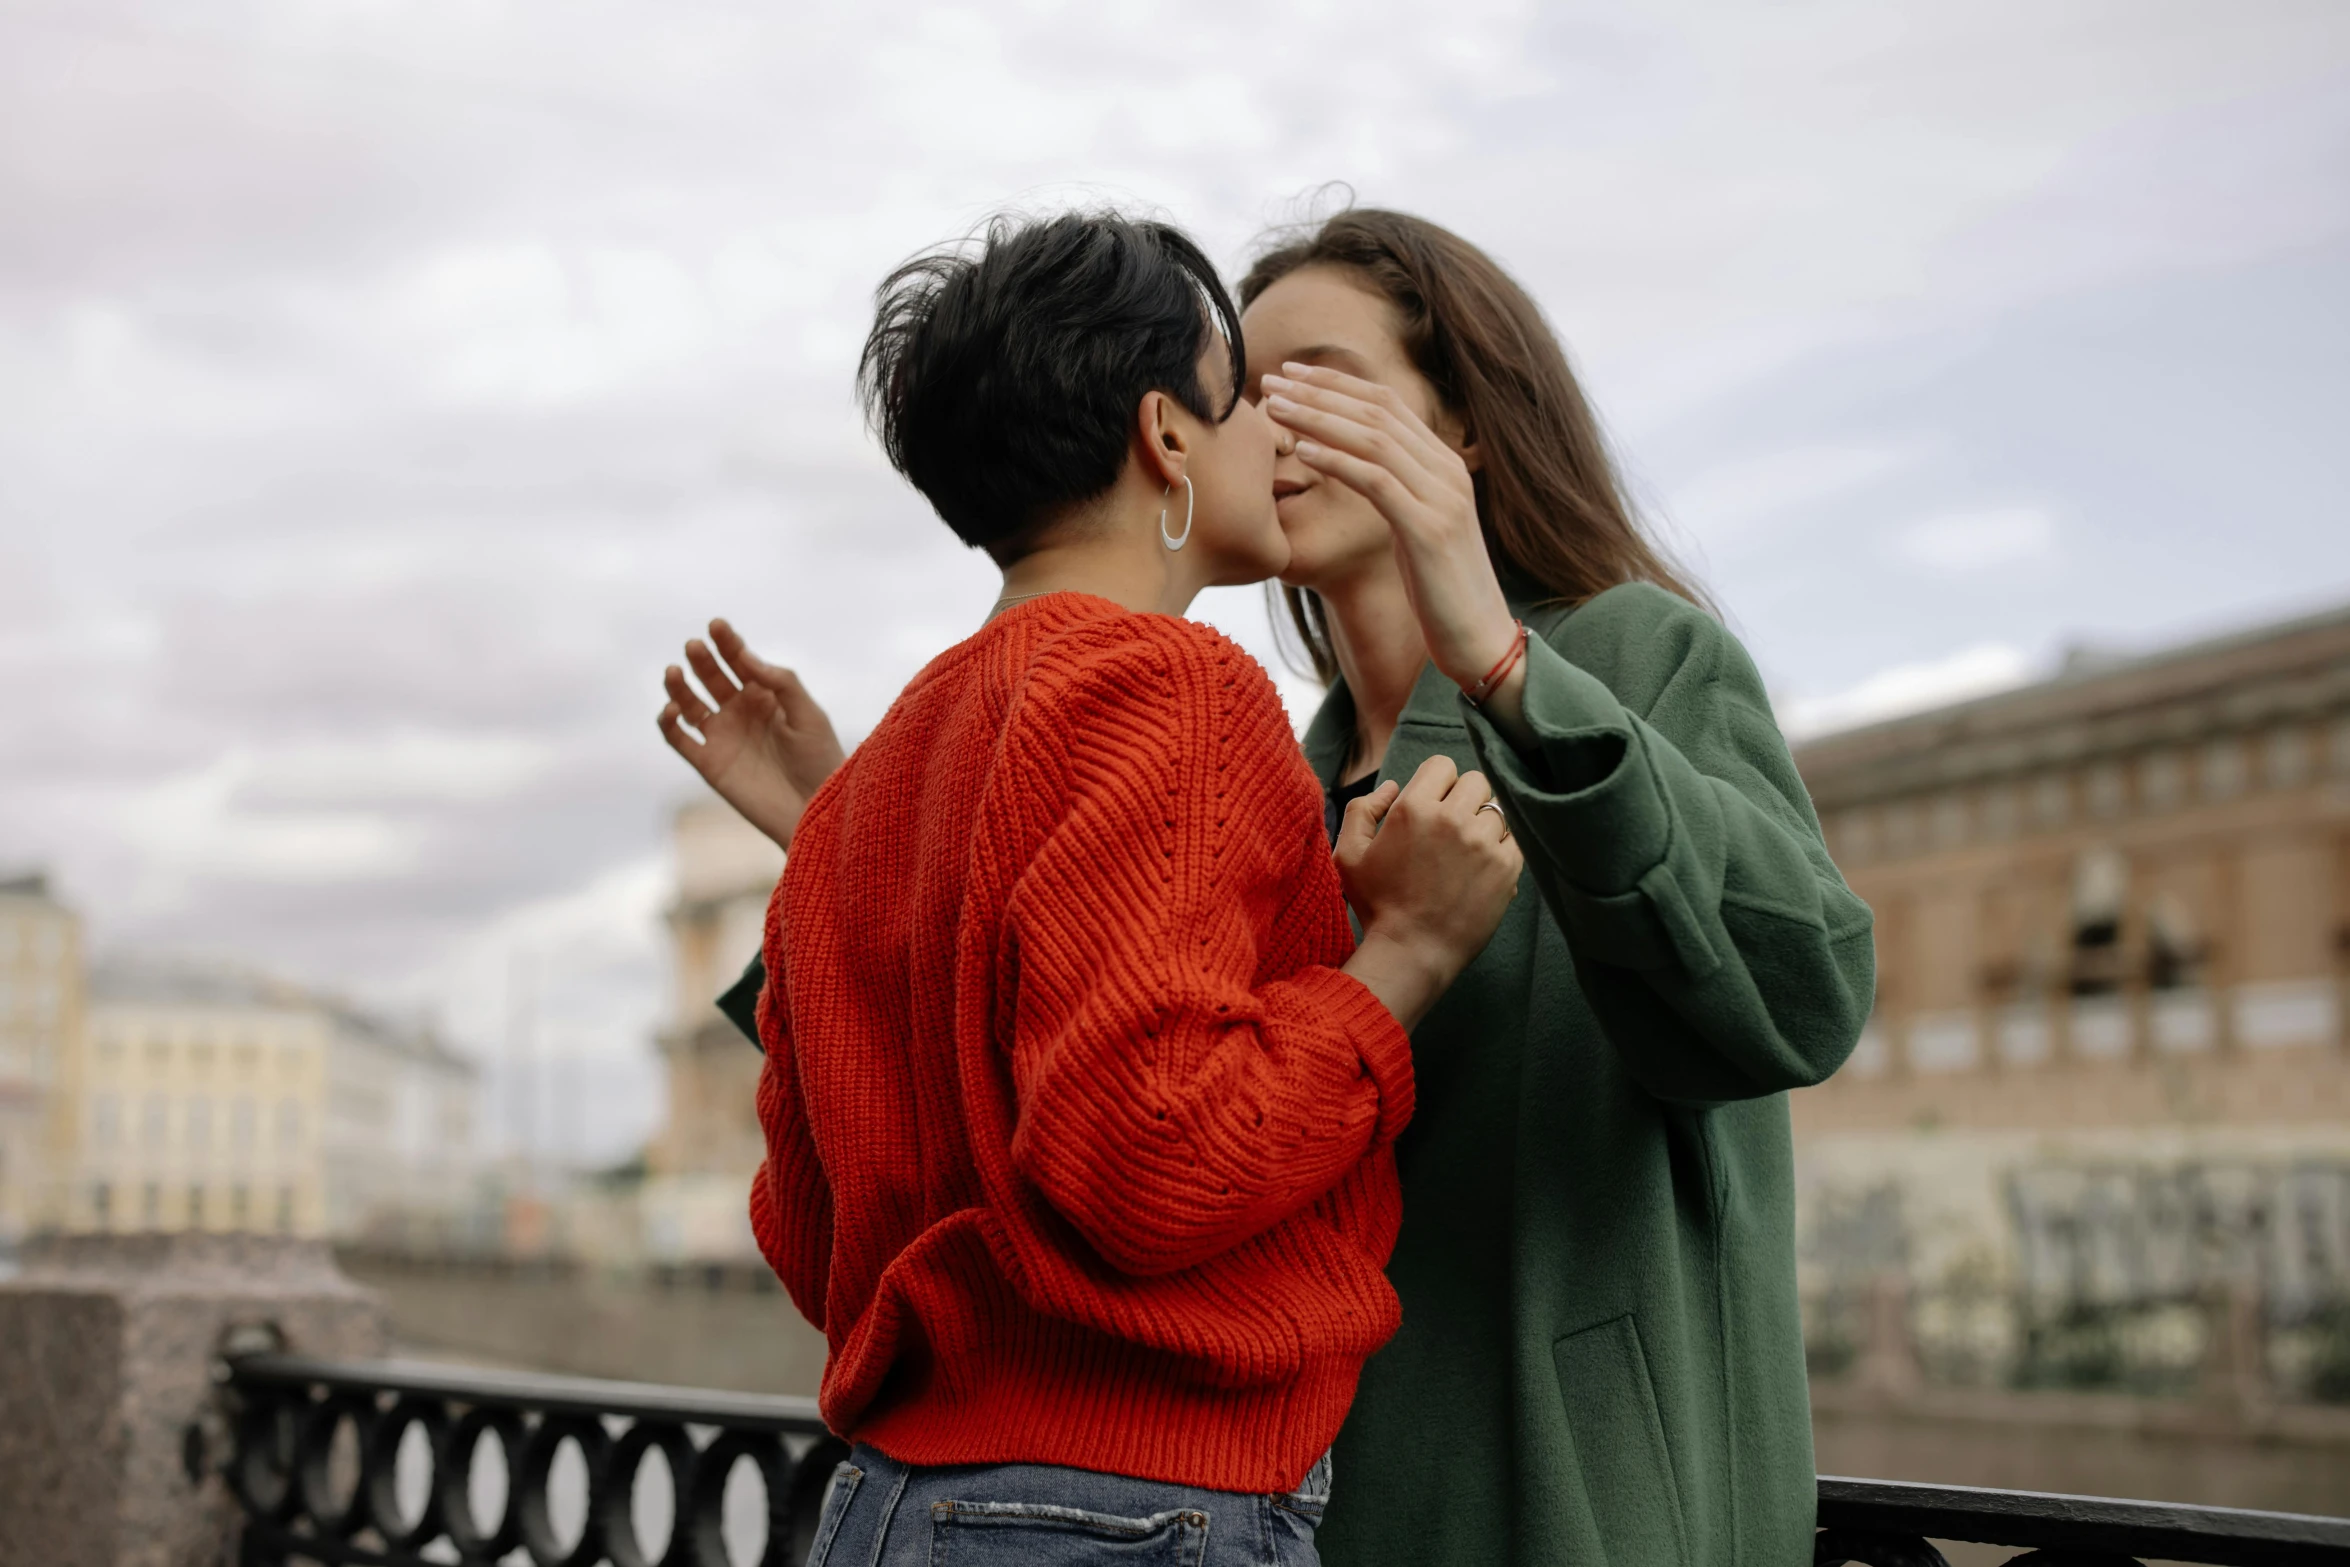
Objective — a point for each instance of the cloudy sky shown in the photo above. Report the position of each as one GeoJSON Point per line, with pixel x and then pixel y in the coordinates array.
{"type": "Point", "coordinates": [386, 389]}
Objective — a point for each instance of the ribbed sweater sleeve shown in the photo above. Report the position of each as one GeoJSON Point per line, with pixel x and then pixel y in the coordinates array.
{"type": "Point", "coordinates": [1170, 1103]}
{"type": "Point", "coordinates": [791, 1201]}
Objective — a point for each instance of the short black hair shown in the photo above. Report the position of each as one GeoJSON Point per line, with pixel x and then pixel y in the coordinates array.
{"type": "Point", "coordinates": [1002, 372]}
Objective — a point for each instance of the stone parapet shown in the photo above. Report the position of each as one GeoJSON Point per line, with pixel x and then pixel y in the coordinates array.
{"type": "Point", "coordinates": [108, 1350]}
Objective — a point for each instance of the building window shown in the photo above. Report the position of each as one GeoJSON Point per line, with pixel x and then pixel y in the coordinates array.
{"type": "Point", "coordinates": [2223, 770]}
{"type": "Point", "coordinates": [2162, 780]}
{"type": "Point", "coordinates": [105, 1120]}
{"type": "Point", "coordinates": [2288, 757]}
{"type": "Point", "coordinates": [2050, 801]}
{"type": "Point", "coordinates": [199, 1123]}
{"type": "Point", "coordinates": [2101, 881]}
{"type": "Point", "coordinates": [2000, 814]}
{"type": "Point", "coordinates": [238, 1204]}
{"type": "Point", "coordinates": [241, 1119]}
{"type": "Point", "coordinates": [1901, 829]}
{"type": "Point", "coordinates": [289, 1125]}
{"type": "Point", "coordinates": [2107, 795]}
{"type": "Point", "coordinates": [2174, 950]}
{"type": "Point", "coordinates": [155, 1121]}
{"type": "Point", "coordinates": [102, 1205]}
{"type": "Point", "coordinates": [151, 1205]}
{"type": "Point", "coordinates": [285, 1210]}
{"type": "Point", "coordinates": [195, 1207]}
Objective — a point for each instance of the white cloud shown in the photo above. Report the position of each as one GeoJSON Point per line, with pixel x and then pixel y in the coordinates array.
{"type": "Point", "coordinates": [1908, 688]}
{"type": "Point", "coordinates": [1724, 504]}
{"type": "Point", "coordinates": [194, 825]}
{"type": "Point", "coordinates": [403, 765]}
{"type": "Point", "coordinates": [316, 812]}
{"type": "Point", "coordinates": [1966, 541]}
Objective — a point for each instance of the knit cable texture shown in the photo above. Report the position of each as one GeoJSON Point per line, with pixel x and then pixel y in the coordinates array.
{"type": "Point", "coordinates": [1078, 1143]}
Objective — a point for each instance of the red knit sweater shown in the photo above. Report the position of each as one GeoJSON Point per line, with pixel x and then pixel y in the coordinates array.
{"type": "Point", "coordinates": [1077, 1143]}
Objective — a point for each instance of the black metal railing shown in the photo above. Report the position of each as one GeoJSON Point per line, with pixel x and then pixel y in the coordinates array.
{"type": "Point", "coordinates": [384, 1463]}
{"type": "Point", "coordinates": [1888, 1523]}
{"type": "Point", "coordinates": [392, 1463]}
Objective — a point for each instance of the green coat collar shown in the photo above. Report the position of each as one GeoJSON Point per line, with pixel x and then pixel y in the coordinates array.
{"type": "Point", "coordinates": [1435, 704]}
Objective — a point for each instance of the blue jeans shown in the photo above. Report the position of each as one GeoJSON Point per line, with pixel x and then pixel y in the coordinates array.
{"type": "Point", "coordinates": [881, 1513]}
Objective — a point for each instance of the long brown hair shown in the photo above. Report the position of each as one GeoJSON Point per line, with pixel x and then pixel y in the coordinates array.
{"type": "Point", "coordinates": [1554, 513]}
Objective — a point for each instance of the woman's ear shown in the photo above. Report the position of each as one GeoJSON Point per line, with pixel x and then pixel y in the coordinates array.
{"type": "Point", "coordinates": [1455, 432]}
{"type": "Point", "coordinates": [1163, 438]}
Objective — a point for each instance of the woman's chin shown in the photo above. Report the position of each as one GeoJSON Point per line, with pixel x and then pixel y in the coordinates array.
{"type": "Point", "coordinates": [1270, 567]}
{"type": "Point", "coordinates": [1312, 569]}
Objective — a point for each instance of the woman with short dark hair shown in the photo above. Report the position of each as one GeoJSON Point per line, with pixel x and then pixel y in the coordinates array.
{"type": "Point", "coordinates": [1079, 1092]}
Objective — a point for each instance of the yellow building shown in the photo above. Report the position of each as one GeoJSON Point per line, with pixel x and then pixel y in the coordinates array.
{"type": "Point", "coordinates": [40, 1015]}
{"type": "Point", "coordinates": [696, 1197]}
{"type": "Point", "coordinates": [197, 1103]}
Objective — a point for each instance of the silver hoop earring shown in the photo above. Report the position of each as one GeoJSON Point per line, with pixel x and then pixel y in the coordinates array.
{"type": "Point", "coordinates": [1172, 541]}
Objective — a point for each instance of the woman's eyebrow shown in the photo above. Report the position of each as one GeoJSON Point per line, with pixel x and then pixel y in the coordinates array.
{"type": "Point", "coordinates": [1333, 355]}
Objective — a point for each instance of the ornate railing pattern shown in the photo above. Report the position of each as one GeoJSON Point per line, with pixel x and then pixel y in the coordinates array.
{"type": "Point", "coordinates": [325, 1468]}
{"type": "Point", "coordinates": [380, 1464]}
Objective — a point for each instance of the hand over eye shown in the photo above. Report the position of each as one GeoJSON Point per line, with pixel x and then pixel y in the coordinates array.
{"type": "Point", "coordinates": [1370, 439]}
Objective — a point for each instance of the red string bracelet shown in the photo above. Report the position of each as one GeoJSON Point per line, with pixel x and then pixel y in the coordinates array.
{"type": "Point", "coordinates": [1501, 671]}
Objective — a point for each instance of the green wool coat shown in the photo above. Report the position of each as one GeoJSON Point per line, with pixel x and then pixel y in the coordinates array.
{"type": "Point", "coordinates": [1601, 1360]}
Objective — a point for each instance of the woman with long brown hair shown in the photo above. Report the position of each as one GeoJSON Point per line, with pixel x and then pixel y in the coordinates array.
{"type": "Point", "coordinates": [1600, 1358]}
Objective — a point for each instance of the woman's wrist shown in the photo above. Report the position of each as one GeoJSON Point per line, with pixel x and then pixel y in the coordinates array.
{"type": "Point", "coordinates": [1505, 708]}
{"type": "Point", "coordinates": [1513, 652]}
{"type": "Point", "coordinates": [1463, 659]}
{"type": "Point", "coordinates": [1407, 973]}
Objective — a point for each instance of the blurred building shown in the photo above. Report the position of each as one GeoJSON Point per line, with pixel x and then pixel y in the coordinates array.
{"type": "Point", "coordinates": [203, 1097]}
{"type": "Point", "coordinates": [2108, 1059]}
{"type": "Point", "coordinates": [196, 1103]}
{"type": "Point", "coordinates": [40, 1013]}
{"type": "Point", "coordinates": [696, 1196]}
{"type": "Point", "coordinates": [398, 1143]}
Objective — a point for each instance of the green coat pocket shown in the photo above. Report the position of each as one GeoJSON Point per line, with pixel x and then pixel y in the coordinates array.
{"type": "Point", "coordinates": [1620, 1444]}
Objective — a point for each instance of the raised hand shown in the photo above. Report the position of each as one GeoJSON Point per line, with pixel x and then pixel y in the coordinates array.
{"type": "Point", "coordinates": [1369, 439]}
{"type": "Point", "coordinates": [766, 747]}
